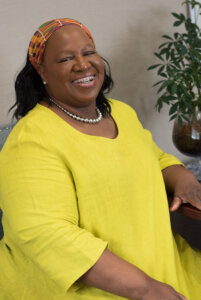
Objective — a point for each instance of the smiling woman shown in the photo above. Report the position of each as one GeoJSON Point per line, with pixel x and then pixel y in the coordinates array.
{"type": "Point", "coordinates": [73, 70]}
{"type": "Point", "coordinates": [67, 62]}
{"type": "Point", "coordinates": [83, 186]}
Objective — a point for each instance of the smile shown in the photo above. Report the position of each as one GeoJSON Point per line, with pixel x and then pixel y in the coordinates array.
{"type": "Point", "coordinates": [85, 81]}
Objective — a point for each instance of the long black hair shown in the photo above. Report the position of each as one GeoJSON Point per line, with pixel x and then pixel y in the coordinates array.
{"type": "Point", "coordinates": [29, 90]}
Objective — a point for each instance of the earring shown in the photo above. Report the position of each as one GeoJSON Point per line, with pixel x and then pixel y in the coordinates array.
{"type": "Point", "coordinates": [44, 82]}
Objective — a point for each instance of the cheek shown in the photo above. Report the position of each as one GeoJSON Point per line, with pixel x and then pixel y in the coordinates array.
{"type": "Point", "coordinates": [60, 73]}
{"type": "Point", "coordinates": [100, 68]}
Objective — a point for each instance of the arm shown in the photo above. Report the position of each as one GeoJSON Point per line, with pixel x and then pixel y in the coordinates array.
{"type": "Point", "coordinates": [179, 182]}
{"type": "Point", "coordinates": [113, 274]}
{"type": "Point", "coordinates": [39, 201]}
{"type": "Point", "coordinates": [183, 185]}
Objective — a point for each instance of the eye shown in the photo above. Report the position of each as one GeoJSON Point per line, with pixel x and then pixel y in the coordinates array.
{"type": "Point", "coordinates": [68, 58]}
{"type": "Point", "coordinates": [89, 52]}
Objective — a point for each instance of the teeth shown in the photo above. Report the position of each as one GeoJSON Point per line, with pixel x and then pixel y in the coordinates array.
{"type": "Point", "coordinates": [84, 80]}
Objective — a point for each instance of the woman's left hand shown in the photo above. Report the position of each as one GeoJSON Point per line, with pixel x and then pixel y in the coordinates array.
{"type": "Point", "coordinates": [183, 185]}
{"type": "Point", "coordinates": [187, 190]}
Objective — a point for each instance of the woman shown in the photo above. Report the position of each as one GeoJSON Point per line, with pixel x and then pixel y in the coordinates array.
{"type": "Point", "coordinates": [85, 211]}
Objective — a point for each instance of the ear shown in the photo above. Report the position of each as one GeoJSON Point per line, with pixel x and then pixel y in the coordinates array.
{"type": "Point", "coordinates": [41, 72]}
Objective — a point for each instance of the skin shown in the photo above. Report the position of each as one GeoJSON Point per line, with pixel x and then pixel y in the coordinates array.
{"type": "Point", "coordinates": [115, 275]}
{"type": "Point", "coordinates": [183, 185]}
{"type": "Point", "coordinates": [70, 55]}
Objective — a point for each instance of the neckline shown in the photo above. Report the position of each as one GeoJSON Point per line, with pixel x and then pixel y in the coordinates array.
{"type": "Point", "coordinates": [76, 131]}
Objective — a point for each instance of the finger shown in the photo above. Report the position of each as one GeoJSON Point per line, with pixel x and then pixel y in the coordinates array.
{"type": "Point", "coordinates": [198, 200]}
{"type": "Point", "coordinates": [176, 203]}
{"type": "Point", "coordinates": [193, 198]}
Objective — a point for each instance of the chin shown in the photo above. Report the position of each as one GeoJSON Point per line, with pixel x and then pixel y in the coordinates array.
{"type": "Point", "coordinates": [88, 99]}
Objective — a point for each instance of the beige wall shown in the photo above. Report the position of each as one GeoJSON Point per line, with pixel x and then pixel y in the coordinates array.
{"type": "Point", "coordinates": [126, 32]}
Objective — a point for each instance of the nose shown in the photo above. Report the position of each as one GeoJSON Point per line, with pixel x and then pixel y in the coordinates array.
{"type": "Point", "coordinates": [81, 64]}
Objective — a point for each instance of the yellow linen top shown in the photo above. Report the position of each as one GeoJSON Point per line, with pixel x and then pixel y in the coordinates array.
{"type": "Point", "coordinates": [66, 196]}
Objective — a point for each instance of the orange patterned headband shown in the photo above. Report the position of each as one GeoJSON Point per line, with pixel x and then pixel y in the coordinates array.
{"type": "Point", "coordinates": [40, 37]}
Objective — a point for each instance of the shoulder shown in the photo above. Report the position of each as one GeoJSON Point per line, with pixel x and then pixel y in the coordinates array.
{"type": "Point", "coordinates": [32, 128]}
{"type": "Point", "coordinates": [122, 108]}
{"type": "Point", "coordinates": [119, 103]}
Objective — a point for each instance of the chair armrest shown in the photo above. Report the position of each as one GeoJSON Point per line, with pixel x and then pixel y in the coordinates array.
{"type": "Point", "coordinates": [188, 210]}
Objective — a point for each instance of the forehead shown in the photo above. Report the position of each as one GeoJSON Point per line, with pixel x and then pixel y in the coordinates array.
{"type": "Point", "coordinates": [68, 35]}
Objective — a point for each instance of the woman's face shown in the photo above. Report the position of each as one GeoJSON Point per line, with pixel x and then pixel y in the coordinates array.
{"type": "Point", "coordinates": [72, 68]}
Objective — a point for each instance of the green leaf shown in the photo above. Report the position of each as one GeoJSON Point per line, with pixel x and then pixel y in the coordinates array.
{"type": "Point", "coordinates": [176, 34]}
{"type": "Point", "coordinates": [162, 99]}
{"type": "Point", "coordinates": [180, 120]}
{"type": "Point", "coordinates": [164, 85]}
{"type": "Point", "coordinates": [167, 37]}
{"type": "Point", "coordinates": [173, 54]}
{"type": "Point", "coordinates": [182, 48]}
{"type": "Point", "coordinates": [168, 82]}
{"type": "Point", "coordinates": [169, 71]}
{"type": "Point", "coordinates": [159, 56]}
{"type": "Point", "coordinates": [161, 70]}
{"type": "Point", "coordinates": [158, 107]}
{"type": "Point", "coordinates": [170, 44]}
{"type": "Point", "coordinates": [162, 45]}
{"type": "Point", "coordinates": [163, 75]}
{"type": "Point", "coordinates": [183, 17]}
{"type": "Point", "coordinates": [163, 51]}
{"type": "Point", "coordinates": [170, 98]}
{"type": "Point", "coordinates": [176, 65]}
{"type": "Point", "coordinates": [187, 102]}
{"type": "Point", "coordinates": [167, 55]}
{"type": "Point", "coordinates": [173, 117]}
{"type": "Point", "coordinates": [176, 16]}
{"type": "Point", "coordinates": [155, 84]}
{"type": "Point", "coordinates": [173, 89]}
{"type": "Point", "coordinates": [185, 118]}
{"type": "Point", "coordinates": [153, 67]}
{"type": "Point", "coordinates": [177, 23]}
{"type": "Point", "coordinates": [173, 108]}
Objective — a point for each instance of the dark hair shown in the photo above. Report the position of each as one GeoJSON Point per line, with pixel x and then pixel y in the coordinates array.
{"type": "Point", "coordinates": [30, 89]}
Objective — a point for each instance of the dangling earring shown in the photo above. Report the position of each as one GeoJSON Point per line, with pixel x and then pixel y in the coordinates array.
{"type": "Point", "coordinates": [44, 82]}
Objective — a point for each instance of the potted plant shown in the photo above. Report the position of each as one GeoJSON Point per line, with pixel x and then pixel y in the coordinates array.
{"type": "Point", "coordinates": [179, 69]}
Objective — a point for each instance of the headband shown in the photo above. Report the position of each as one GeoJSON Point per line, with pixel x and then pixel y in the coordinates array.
{"type": "Point", "coordinates": [44, 32]}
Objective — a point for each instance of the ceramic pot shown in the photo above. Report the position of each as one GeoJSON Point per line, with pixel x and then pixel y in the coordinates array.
{"type": "Point", "coordinates": [187, 138]}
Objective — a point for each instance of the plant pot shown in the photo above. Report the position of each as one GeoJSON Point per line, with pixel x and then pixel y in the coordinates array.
{"type": "Point", "coordinates": [187, 138]}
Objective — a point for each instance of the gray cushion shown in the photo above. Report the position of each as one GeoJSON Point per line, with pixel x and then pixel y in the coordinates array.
{"type": "Point", "coordinates": [4, 132]}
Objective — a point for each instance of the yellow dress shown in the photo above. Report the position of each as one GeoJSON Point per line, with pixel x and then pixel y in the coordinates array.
{"type": "Point", "coordinates": [66, 196]}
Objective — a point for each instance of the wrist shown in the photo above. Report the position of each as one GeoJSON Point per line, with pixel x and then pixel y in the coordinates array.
{"type": "Point", "coordinates": [140, 287]}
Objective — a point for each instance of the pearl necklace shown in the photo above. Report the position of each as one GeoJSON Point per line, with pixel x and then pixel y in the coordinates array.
{"type": "Point", "coordinates": [85, 120]}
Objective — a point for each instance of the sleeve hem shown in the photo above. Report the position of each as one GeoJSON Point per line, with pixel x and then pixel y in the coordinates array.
{"type": "Point", "coordinates": [164, 165]}
{"type": "Point", "coordinates": [73, 285]}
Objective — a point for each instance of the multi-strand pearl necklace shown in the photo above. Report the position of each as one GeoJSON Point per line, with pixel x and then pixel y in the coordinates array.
{"type": "Point", "coordinates": [85, 120]}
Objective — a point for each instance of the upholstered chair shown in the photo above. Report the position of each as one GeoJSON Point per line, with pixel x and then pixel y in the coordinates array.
{"type": "Point", "coordinates": [4, 132]}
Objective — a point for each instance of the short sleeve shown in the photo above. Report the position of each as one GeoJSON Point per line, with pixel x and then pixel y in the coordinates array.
{"type": "Point", "coordinates": [165, 159]}
{"type": "Point", "coordinates": [40, 207]}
